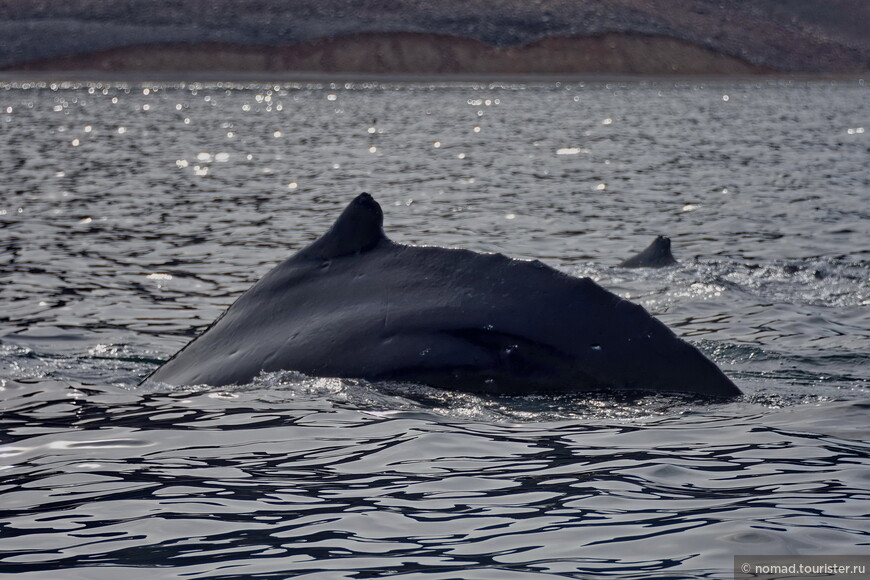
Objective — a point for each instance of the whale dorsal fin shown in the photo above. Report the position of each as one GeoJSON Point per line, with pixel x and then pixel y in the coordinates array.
{"type": "Point", "coordinates": [360, 227]}
{"type": "Point", "coordinates": [656, 255]}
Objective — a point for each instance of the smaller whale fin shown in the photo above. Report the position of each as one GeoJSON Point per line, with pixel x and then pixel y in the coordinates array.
{"type": "Point", "coordinates": [359, 228]}
{"type": "Point", "coordinates": [656, 255]}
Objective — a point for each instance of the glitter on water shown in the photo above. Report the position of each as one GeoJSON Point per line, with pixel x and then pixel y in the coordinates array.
{"type": "Point", "coordinates": [120, 245]}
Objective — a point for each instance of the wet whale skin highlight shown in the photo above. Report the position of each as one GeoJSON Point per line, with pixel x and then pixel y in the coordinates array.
{"type": "Point", "coordinates": [354, 304]}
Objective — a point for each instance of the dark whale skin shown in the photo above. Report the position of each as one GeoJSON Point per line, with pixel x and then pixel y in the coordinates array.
{"type": "Point", "coordinates": [354, 304]}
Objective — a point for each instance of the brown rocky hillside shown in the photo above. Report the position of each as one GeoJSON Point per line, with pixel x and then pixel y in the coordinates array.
{"type": "Point", "coordinates": [447, 36]}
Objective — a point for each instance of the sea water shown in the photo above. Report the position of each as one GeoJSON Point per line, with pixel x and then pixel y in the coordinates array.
{"type": "Point", "coordinates": [133, 214]}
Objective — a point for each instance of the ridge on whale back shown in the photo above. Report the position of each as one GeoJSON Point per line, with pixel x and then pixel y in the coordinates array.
{"type": "Point", "coordinates": [354, 304]}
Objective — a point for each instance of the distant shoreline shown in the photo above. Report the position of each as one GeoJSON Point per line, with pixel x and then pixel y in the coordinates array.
{"type": "Point", "coordinates": [291, 77]}
{"type": "Point", "coordinates": [413, 58]}
{"type": "Point", "coordinates": [417, 55]}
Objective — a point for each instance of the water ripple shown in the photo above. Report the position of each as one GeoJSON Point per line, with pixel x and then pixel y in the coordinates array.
{"type": "Point", "coordinates": [133, 214]}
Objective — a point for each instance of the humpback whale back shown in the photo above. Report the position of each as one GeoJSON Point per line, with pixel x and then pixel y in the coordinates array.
{"type": "Point", "coordinates": [355, 304]}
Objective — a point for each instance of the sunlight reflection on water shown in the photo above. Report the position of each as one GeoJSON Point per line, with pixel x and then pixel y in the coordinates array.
{"type": "Point", "coordinates": [134, 213]}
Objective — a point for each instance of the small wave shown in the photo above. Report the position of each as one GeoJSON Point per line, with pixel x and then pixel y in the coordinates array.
{"type": "Point", "coordinates": [399, 398]}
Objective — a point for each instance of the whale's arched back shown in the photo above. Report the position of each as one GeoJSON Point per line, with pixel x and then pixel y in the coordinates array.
{"type": "Point", "coordinates": [354, 304]}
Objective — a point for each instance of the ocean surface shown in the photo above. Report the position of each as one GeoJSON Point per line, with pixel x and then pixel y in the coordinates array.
{"type": "Point", "coordinates": [133, 214]}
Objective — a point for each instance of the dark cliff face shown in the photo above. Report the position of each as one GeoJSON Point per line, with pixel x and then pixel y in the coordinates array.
{"type": "Point", "coordinates": [823, 36]}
